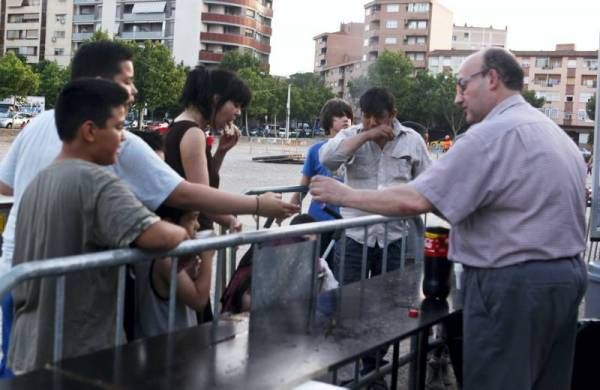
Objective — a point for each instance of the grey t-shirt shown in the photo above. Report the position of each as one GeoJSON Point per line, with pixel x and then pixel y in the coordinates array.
{"type": "Point", "coordinates": [513, 188]}
{"type": "Point", "coordinates": [71, 207]}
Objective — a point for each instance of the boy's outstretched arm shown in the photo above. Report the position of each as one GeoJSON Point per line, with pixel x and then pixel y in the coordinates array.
{"type": "Point", "coordinates": [161, 236]}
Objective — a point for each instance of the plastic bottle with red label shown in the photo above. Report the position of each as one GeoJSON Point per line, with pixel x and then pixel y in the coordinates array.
{"type": "Point", "coordinates": [436, 266]}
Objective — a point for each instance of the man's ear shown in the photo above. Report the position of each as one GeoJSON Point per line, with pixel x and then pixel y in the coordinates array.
{"type": "Point", "coordinates": [495, 79]}
{"type": "Point", "coordinates": [87, 131]}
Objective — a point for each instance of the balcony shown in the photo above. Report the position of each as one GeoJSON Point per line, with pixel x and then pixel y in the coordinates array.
{"type": "Point", "coordinates": [238, 21]}
{"type": "Point", "coordinates": [151, 17]}
{"type": "Point", "coordinates": [142, 35]}
{"type": "Point", "coordinates": [84, 18]}
{"type": "Point", "coordinates": [82, 36]}
{"type": "Point", "coordinates": [237, 40]}
{"type": "Point", "coordinates": [252, 4]}
{"type": "Point", "coordinates": [209, 56]}
{"type": "Point", "coordinates": [85, 2]}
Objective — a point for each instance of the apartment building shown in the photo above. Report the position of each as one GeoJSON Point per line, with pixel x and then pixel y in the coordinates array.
{"type": "Point", "coordinates": [338, 77]}
{"type": "Point", "coordinates": [339, 47]}
{"type": "Point", "coordinates": [565, 77]}
{"type": "Point", "coordinates": [473, 37]}
{"type": "Point", "coordinates": [28, 28]}
{"type": "Point", "coordinates": [409, 26]}
{"type": "Point", "coordinates": [242, 25]}
{"type": "Point", "coordinates": [194, 30]}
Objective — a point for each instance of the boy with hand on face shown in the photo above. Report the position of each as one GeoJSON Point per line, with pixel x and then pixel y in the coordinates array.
{"type": "Point", "coordinates": [73, 207]}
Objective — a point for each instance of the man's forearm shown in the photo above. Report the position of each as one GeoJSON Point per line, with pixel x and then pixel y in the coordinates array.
{"type": "Point", "coordinates": [5, 189]}
{"type": "Point", "coordinates": [400, 200]}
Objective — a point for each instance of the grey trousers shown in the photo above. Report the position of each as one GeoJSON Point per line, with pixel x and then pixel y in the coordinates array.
{"type": "Point", "coordinates": [520, 324]}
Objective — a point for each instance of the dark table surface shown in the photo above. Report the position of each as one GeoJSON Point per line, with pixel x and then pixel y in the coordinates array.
{"type": "Point", "coordinates": [280, 347]}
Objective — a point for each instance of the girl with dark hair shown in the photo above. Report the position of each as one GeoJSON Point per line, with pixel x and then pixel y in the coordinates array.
{"type": "Point", "coordinates": [213, 99]}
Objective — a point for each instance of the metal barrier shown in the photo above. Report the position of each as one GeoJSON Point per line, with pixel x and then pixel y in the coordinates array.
{"type": "Point", "coordinates": [120, 258]}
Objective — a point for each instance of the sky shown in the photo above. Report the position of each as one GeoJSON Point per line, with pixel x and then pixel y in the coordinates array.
{"type": "Point", "coordinates": [532, 24]}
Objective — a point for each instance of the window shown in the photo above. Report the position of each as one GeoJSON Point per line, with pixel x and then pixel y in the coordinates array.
{"type": "Point", "coordinates": [364, 57]}
{"type": "Point", "coordinates": [525, 63]}
{"type": "Point", "coordinates": [591, 64]}
{"type": "Point", "coordinates": [572, 64]}
{"type": "Point", "coordinates": [61, 18]}
{"type": "Point", "coordinates": [31, 34]}
{"type": "Point", "coordinates": [447, 61]}
{"type": "Point", "coordinates": [391, 24]}
{"type": "Point", "coordinates": [416, 40]}
{"type": "Point", "coordinates": [466, 35]}
{"type": "Point", "coordinates": [249, 33]}
{"type": "Point", "coordinates": [59, 34]}
{"type": "Point", "coordinates": [391, 40]}
{"type": "Point", "coordinates": [416, 56]}
{"type": "Point", "coordinates": [393, 8]}
{"type": "Point", "coordinates": [416, 24]}
{"type": "Point", "coordinates": [568, 116]}
{"type": "Point", "coordinates": [366, 43]}
{"type": "Point", "coordinates": [434, 61]}
{"type": "Point", "coordinates": [584, 97]}
{"type": "Point", "coordinates": [12, 34]}
{"type": "Point", "coordinates": [542, 62]}
{"type": "Point", "coordinates": [454, 37]}
{"type": "Point", "coordinates": [59, 51]}
{"type": "Point", "coordinates": [250, 13]}
{"type": "Point", "coordinates": [367, 27]}
{"type": "Point", "coordinates": [417, 7]}
{"type": "Point", "coordinates": [526, 80]}
{"type": "Point", "coordinates": [569, 98]}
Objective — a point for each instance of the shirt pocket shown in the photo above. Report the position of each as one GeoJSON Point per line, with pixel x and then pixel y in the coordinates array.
{"type": "Point", "coordinates": [400, 166]}
{"type": "Point", "coordinates": [360, 166]}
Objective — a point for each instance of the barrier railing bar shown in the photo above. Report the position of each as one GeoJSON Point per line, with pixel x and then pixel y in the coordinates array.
{"type": "Point", "coordinates": [395, 364]}
{"type": "Point", "coordinates": [120, 304]}
{"type": "Point", "coordinates": [365, 247]}
{"type": "Point", "coordinates": [342, 260]}
{"type": "Point", "coordinates": [404, 237]}
{"type": "Point", "coordinates": [385, 248]}
{"type": "Point", "coordinates": [59, 316]}
{"type": "Point", "coordinates": [119, 257]}
{"type": "Point", "coordinates": [280, 189]}
{"type": "Point", "coordinates": [356, 370]}
{"type": "Point", "coordinates": [172, 292]}
{"type": "Point", "coordinates": [218, 285]}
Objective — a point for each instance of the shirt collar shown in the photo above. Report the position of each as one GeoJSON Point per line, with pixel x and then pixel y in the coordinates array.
{"type": "Point", "coordinates": [505, 105]}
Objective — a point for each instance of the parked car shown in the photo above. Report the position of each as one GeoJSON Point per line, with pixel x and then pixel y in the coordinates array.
{"type": "Point", "coordinates": [159, 126]}
{"type": "Point", "coordinates": [13, 120]}
{"type": "Point", "coordinates": [291, 134]}
{"type": "Point", "coordinates": [585, 153]}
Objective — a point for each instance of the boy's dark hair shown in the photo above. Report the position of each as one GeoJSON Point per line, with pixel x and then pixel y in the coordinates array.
{"type": "Point", "coordinates": [334, 107]}
{"type": "Point", "coordinates": [99, 59]}
{"type": "Point", "coordinates": [302, 218]}
{"type": "Point", "coordinates": [202, 85]}
{"type": "Point", "coordinates": [84, 100]}
{"type": "Point", "coordinates": [507, 66]}
{"type": "Point", "coordinates": [171, 213]}
{"type": "Point", "coordinates": [376, 101]}
{"type": "Point", "coordinates": [152, 138]}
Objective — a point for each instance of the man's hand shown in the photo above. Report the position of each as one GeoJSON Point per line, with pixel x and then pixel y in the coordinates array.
{"type": "Point", "coordinates": [229, 139]}
{"type": "Point", "coordinates": [271, 205]}
{"type": "Point", "coordinates": [328, 190]}
{"type": "Point", "coordinates": [381, 133]}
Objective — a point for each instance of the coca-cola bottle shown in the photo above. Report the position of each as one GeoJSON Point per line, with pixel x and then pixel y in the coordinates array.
{"type": "Point", "coordinates": [437, 267]}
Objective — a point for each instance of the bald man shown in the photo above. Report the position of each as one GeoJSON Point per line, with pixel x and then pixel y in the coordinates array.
{"type": "Point", "coordinates": [513, 188]}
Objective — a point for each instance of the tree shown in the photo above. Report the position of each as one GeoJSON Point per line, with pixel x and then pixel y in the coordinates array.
{"type": "Point", "coordinates": [531, 98]}
{"type": "Point", "coordinates": [52, 80]}
{"type": "Point", "coordinates": [235, 61]}
{"type": "Point", "coordinates": [590, 108]}
{"type": "Point", "coordinates": [358, 86]}
{"type": "Point", "coordinates": [308, 96]}
{"type": "Point", "coordinates": [158, 79]}
{"type": "Point", "coordinates": [16, 78]}
{"type": "Point", "coordinates": [98, 35]}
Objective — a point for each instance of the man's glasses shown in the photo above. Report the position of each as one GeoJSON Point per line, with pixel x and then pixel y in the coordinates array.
{"type": "Point", "coordinates": [461, 84]}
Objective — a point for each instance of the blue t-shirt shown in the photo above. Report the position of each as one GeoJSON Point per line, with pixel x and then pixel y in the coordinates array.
{"type": "Point", "coordinates": [313, 167]}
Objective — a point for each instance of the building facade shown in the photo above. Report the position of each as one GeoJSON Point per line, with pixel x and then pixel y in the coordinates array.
{"type": "Point", "coordinates": [36, 29]}
{"type": "Point", "coordinates": [338, 77]}
{"type": "Point", "coordinates": [194, 30]}
{"type": "Point", "coordinates": [473, 38]}
{"type": "Point", "coordinates": [565, 77]}
{"type": "Point", "coordinates": [409, 26]}
{"type": "Point", "coordinates": [242, 25]}
{"type": "Point", "coordinates": [340, 47]}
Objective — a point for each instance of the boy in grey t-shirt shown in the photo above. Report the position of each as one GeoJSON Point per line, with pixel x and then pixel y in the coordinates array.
{"type": "Point", "coordinates": [73, 207]}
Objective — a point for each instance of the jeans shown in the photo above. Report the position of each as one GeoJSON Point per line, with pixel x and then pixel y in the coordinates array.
{"type": "Point", "coordinates": [7, 319]}
{"type": "Point", "coordinates": [353, 263]}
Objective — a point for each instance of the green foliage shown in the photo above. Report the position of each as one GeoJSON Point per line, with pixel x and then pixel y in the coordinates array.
{"type": "Point", "coordinates": [52, 80]}
{"type": "Point", "coordinates": [236, 61]}
{"type": "Point", "coordinates": [98, 35]}
{"type": "Point", "coordinates": [532, 99]}
{"type": "Point", "coordinates": [16, 78]}
{"type": "Point", "coordinates": [307, 96]}
{"type": "Point", "coordinates": [358, 86]}
{"type": "Point", "coordinates": [590, 108]}
{"type": "Point", "coordinates": [158, 79]}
